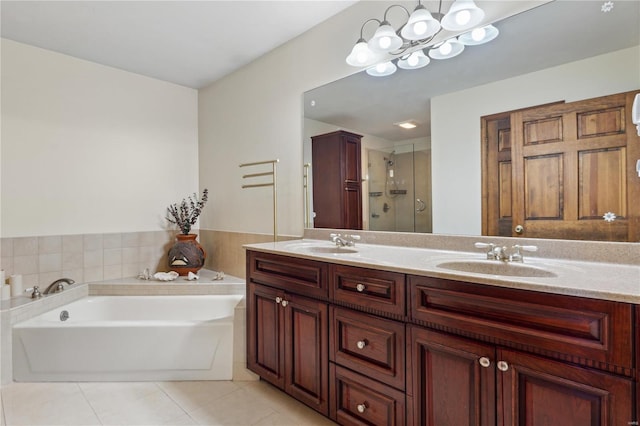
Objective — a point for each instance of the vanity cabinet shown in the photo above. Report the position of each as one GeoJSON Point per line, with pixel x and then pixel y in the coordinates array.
{"type": "Point", "coordinates": [337, 180]}
{"type": "Point", "coordinates": [287, 340]}
{"type": "Point", "coordinates": [517, 357]}
{"type": "Point", "coordinates": [367, 346]}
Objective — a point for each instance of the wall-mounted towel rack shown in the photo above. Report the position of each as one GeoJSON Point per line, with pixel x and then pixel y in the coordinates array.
{"type": "Point", "coordinates": [273, 183]}
{"type": "Point", "coordinates": [307, 195]}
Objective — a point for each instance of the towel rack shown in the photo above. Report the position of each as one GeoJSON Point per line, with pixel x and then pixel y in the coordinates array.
{"type": "Point", "coordinates": [272, 183]}
{"type": "Point", "coordinates": [307, 195]}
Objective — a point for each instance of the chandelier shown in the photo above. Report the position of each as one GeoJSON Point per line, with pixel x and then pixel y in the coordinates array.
{"type": "Point", "coordinates": [405, 46]}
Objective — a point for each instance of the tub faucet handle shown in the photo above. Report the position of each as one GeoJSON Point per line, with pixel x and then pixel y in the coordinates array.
{"type": "Point", "coordinates": [35, 292]}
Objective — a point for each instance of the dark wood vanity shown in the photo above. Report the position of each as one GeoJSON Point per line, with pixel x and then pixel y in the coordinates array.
{"type": "Point", "coordinates": [368, 346]}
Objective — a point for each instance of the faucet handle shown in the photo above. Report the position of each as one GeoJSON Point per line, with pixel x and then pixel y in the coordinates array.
{"type": "Point", "coordinates": [355, 237]}
{"type": "Point", "coordinates": [35, 292]}
{"type": "Point", "coordinates": [490, 246]}
{"type": "Point", "coordinates": [517, 255]}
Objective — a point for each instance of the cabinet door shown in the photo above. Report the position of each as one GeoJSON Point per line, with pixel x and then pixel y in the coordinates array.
{"type": "Point", "coordinates": [538, 391]}
{"type": "Point", "coordinates": [306, 351]}
{"type": "Point", "coordinates": [265, 332]}
{"type": "Point", "coordinates": [453, 380]}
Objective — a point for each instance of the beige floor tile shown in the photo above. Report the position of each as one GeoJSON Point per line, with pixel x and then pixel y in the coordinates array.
{"type": "Point", "coordinates": [153, 409]}
{"type": "Point", "coordinates": [59, 406]}
{"type": "Point", "coordinates": [109, 396]}
{"type": "Point", "coordinates": [239, 408]}
{"type": "Point", "coordinates": [193, 395]}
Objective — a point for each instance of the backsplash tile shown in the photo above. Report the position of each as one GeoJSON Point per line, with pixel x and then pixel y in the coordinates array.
{"type": "Point", "coordinates": [84, 258]}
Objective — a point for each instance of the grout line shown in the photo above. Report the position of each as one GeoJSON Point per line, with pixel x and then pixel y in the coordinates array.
{"type": "Point", "coordinates": [157, 384]}
{"type": "Point", "coordinates": [90, 404]}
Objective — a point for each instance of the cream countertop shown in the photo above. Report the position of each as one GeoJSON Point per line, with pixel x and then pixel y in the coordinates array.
{"type": "Point", "coordinates": [596, 280]}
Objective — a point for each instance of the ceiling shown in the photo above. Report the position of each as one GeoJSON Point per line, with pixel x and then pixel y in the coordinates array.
{"type": "Point", "coordinates": [191, 43]}
{"type": "Point", "coordinates": [549, 35]}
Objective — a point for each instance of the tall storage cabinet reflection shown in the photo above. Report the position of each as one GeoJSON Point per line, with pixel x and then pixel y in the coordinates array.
{"type": "Point", "coordinates": [337, 180]}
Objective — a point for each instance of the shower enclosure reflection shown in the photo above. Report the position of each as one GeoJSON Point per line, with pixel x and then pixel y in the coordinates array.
{"type": "Point", "coordinates": [397, 201]}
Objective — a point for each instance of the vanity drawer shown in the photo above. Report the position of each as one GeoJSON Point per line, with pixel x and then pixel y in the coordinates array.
{"type": "Point", "coordinates": [301, 276]}
{"type": "Point", "coordinates": [358, 400]}
{"type": "Point", "coordinates": [370, 345]}
{"type": "Point", "coordinates": [576, 329]}
{"type": "Point", "coordinates": [373, 291]}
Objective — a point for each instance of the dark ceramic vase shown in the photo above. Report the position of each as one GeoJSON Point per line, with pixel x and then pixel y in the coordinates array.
{"type": "Point", "coordinates": [186, 255]}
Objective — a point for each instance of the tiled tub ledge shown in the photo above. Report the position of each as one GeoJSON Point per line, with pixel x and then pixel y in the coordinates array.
{"type": "Point", "coordinates": [180, 286]}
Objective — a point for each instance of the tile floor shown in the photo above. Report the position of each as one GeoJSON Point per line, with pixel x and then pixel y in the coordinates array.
{"type": "Point", "coordinates": [152, 404]}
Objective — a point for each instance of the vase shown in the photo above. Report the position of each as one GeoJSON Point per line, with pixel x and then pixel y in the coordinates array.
{"type": "Point", "coordinates": [186, 255]}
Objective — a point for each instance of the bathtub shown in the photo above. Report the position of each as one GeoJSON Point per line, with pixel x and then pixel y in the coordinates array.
{"type": "Point", "coordinates": [128, 338]}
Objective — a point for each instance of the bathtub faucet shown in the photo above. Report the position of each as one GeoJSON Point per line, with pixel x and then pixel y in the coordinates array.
{"type": "Point", "coordinates": [58, 285]}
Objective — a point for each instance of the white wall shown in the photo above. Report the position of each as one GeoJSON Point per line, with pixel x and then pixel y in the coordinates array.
{"type": "Point", "coordinates": [455, 137]}
{"type": "Point", "coordinates": [91, 149]}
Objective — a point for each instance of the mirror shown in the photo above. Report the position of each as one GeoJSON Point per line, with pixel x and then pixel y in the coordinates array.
{"type": "Point", "coordinates": [576, 48]}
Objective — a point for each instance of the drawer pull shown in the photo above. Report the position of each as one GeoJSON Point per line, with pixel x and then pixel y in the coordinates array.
{"type": "Point", "coordinates": [361, 344]}
{"type": "Point", "coordinates": [484, 361]}
{"type": "Point", "coordinates": [284, 303]}
{"type": "Point", "coordinates": [361, 408]}
{"type": "Point", "coordinates": [503, 366]}
{"type": "Point", "coordinates": [278, 300]}
{"type": "Point", "coordinates": [360, 287]}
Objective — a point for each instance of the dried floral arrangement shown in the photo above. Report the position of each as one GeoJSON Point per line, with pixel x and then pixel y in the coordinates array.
{"type": "Point", "coordinates": [186, 214]}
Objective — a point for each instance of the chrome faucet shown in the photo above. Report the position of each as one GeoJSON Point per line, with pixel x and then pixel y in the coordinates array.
{"type": "Point", "coordinates": [58, 285]}
{"type": "Point", "coordinates": [503, 254]}
{"type": "Point", "coordinates": [344, 241]}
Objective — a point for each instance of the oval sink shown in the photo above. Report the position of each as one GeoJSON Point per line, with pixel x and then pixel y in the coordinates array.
{"type": "Point", "coordinates": [320, 249]}
{"type": "Point", "coordinates": [489, 267]}
{"type": "Point", "coordinates": [332, 250]}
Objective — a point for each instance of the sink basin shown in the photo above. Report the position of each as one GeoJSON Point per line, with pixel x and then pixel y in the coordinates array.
{"type": "Point", "coordinates": [321, 249]}
{"type": "Point", "coordinates": [489, 267]}
{"type": "Point", "coordinates": [332, 250]}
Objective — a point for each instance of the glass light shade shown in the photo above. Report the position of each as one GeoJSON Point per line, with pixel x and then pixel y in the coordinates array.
{"type": "Point", "coordinates": [382, 69]}
{"type": "Point", "coordinates": [361, 55]}
{"type": "Point", "coordinates": [446, 50]}
{"type": "Point", "coordinates": [385, 39]}
{"type": "Point", "coordinates": [462, 15]}
{"type": "Point", "coordinates": [479, 35]}
{"type": "Point", "coordinates": [421, 25]}
{"type": "Point", "coordinates": [414, 61]}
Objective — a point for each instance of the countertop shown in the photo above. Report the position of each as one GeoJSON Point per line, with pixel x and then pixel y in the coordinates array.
{"type": "Point", "coordinates": [596, 280]}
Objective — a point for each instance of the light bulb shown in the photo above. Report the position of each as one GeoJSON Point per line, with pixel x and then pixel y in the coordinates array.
{"type": "Point", "coordinates": [420, 28]}
{"type": "Point", "coordinates": [413, 60]}
{"type": "Point", "coordinates": [463, 17]}
{"type": "Point", "coordinates": [478, 34]}
{"type": "Point", "coordinates": [381, 67]}
{"type": "Point", "coordinates": [384, 42]}
{"type": "Point", "coordinates": [362, 57]}
{"type": "Point", "coordinates": [446, 48]}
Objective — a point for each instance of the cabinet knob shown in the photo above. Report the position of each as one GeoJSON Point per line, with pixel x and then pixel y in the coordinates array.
{"type": "Point", "coordinates": [278, 300]}
{"type": "Point", "coordinates": [361, 344]}
{"type": "Point", "coordinates": [503, 366]}
{"type": "Point", "coordinates": [519, 229]}
{"type": "Point", "coordinates": [284, 303]}
{"type": "Point", "coordinates": [361, 408]}
{"type": "Point", "coordinates": [484, 361]}
{"type": "Point", "coordinates": [360, 287]}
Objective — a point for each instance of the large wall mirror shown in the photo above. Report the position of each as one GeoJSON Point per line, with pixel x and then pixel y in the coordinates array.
{"type": "Point", "coordinates": [428, 179]}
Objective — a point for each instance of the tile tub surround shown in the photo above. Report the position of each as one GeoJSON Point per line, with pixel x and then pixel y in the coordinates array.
{"type": "Point", "coordinates": [84, 258]}
{"type": "Point", "coordinates": [22, 308]}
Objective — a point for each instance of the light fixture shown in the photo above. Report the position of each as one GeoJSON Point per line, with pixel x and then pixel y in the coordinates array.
{"type": "Point", "coordinates": [409, 124]}
{"type": "Point", "coordinates": [478, 36]}
{"type": "Point", "coordinates": [404, 47]}
{"type": "Point", "coordinates": [446, 50]}
{"type": "Point", "coordinates": [414, 60]}
{"type": "Point", "coordinates": [382, 69]}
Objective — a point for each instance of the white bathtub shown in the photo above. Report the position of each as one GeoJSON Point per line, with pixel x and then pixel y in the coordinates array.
{"type": "Point", "coordinates": [129, 338]}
